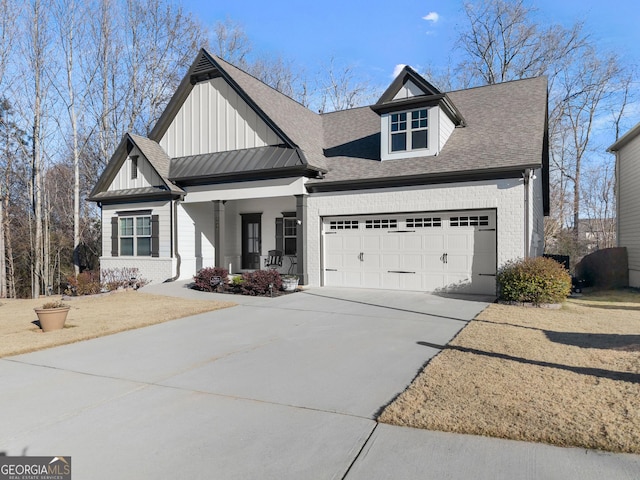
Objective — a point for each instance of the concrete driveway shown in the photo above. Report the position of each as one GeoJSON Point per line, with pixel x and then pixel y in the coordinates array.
{"type": "Point", "coordinates": [283, 388]}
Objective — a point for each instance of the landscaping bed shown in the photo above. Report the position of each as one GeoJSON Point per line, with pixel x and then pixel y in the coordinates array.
{"type": "Point", "coordinates": [568, 377]}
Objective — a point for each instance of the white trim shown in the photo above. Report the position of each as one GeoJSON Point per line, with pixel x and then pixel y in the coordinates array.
{"type": "Point", "coordinates": [280, 187]}
{"type": "Point", "coordinates": [433, 128]}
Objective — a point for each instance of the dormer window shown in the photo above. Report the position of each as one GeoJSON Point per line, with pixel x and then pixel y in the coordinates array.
{"type": "Point", "coordinates": [416, 119]}
{"type": "Point", "coordinates": [409, 130]}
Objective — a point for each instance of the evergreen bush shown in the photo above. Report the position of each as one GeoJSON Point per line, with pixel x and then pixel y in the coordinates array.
{"type": "Point", "coordinates": [533, 280]}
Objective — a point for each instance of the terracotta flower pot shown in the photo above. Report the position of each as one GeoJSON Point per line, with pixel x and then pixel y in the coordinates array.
{"type": "Point", "coordinates": [52, 318]}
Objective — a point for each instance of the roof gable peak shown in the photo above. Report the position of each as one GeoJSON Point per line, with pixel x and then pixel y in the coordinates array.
{"type": "Point", "coordinates": [407, 84]}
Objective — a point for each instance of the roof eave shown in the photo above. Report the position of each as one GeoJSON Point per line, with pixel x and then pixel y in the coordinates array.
{"type": "Point", "coordinates": [421, 179]}
{"type": "Point", "coordinates": [623, 140]}
{"type": "Point", "coordinates": [297, 171]}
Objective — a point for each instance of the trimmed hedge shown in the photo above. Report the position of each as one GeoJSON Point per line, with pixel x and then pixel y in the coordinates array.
{"type": "Point", "coordinates": [533, 280]}
{"type": "Point", "coordinates": [202, 280]}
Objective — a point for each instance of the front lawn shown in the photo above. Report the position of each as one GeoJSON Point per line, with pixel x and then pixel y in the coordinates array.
{"type": "Point", "coordinates": [568, 377]}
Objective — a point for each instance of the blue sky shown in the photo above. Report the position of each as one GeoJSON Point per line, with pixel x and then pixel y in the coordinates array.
{"type": "Point", "coordinates": [375, 36]}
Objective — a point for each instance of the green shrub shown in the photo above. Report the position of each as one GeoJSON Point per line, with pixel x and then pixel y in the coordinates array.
{"type": "Point", "coordinates": [536, 280]}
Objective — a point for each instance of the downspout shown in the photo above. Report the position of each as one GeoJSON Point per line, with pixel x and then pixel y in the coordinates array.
{"type": "Point", "coordinates": [526, 175]}
{"type": "Point", "coordinates": [174, 219]}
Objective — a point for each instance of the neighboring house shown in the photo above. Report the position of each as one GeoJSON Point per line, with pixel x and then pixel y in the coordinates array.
{"type": "Point", "coordinates": [422, 191]}
{"type": "Point", "coordinates": [627, 152]}
{"type": "Point", "coordinates": [597, 233]}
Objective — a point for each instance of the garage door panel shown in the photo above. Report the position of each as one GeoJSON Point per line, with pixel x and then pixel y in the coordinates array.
{"type": "Point", "coordinates": [391, 261]}
{"type": "Point", "coordinates": [433, 243]}
{"type": "Point", "coordinates": [371, 249]}
{"type": "Point", "coordinates": [411, 262]}
{"type": "Point", "coordinates": [458, 262]}
{"type": "Point", "coordinates": [411, 242]}
{"type": "Point", "coordinates": [371, 244]}
{"type": "Point", "coordinates": [460, 241]}
{"type": "Point", "coordinates": [391, 242]}
{"type": "Point", "coordinates": [372, 280]}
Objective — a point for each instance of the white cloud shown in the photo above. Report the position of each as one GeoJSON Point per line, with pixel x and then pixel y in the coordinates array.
{"type": "Point", "coordinates": [431, 17]}
{"type": "Point", "coordinates": [398, 68]}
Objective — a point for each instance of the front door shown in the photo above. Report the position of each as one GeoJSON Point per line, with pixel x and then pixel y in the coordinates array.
{"type": "Point", "coordinates": [251, 240]}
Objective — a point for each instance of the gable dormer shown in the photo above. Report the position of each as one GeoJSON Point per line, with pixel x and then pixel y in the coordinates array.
{"type": "Point", "coordinates": [416, 119]}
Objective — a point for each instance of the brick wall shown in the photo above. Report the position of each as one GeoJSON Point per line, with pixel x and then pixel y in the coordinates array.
{"type": "Point", "coordinates": [506, 196]}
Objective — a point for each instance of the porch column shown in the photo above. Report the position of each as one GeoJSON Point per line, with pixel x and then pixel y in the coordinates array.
{"type": "Point", "coordinates": [301, 251]}
{"type": "Point", "coordinates": [218, 215]}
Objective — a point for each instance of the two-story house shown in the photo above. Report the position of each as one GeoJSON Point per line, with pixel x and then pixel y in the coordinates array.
{"type": "Point", "coordinates": [423, 190]}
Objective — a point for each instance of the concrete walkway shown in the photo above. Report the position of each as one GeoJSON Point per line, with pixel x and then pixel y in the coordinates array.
{"type": "Point", "coordinates": [283, 388]}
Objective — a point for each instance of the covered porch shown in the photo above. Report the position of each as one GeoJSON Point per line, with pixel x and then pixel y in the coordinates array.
{"type": "Point", "coordinates": [236, 225]}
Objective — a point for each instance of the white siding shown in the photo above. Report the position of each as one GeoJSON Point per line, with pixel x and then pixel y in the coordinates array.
{"type": "Point", "coordinates": [629, 206]}
{"type": "Point", "coordinates": [537, 219]}
{"type": "Point", "coordinates": [408, 90]}
{"type": "Point", "coordinates": [506, 196]}
{"type": "Point", "coordinates": [270, 208]}
{"type": "Point", "coordinates": [195, 238]}
{"type": "Point", "coordinates": [146, 176]}
{"type": "Point", "coordinates": [162, 209]}
{"type": "Point", "coordinates": [445, 127]}
{"type": "Point", "coordinates": [152, 269]}
{"type": "Point", "coordinates": [214, 118]}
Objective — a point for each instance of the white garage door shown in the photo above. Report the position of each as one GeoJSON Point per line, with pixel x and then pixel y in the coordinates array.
{"type": "Point", "coordinates": [453, 251]}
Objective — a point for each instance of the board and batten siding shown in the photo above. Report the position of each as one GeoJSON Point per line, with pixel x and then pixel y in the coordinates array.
{"type": "Point", "coordinates": [629, 206]}
{"type": "Point", "coordinates": [212, 119]}
{"type": "Point", "coordinates": [145, 177]}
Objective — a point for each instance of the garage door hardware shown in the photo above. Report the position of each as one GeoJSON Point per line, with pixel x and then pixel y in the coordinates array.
{"type": "Point", "coordinates": [444, 258]}
{"type": "Point", "coordinates": [486, 274]}
{"type": "Point", "coordinates": [401, 231]}
{"type": "Point", "coordinates": [398, 271]}
{"type": "Point", "coordinates": [361, 257]}
{"type": "Point", "coordinates": [330, 269]}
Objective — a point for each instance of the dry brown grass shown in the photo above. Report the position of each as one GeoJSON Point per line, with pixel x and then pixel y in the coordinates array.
{"type": "Point", "coordinates": [91, 317]}
{"type": "Point", "coordinates": [568, 377]}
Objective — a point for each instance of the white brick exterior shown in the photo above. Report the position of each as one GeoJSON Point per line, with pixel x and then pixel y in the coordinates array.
{"type": "Point", "coordinates": [154, 270]}
{"type": "Point", "coordinates": [505, 196]}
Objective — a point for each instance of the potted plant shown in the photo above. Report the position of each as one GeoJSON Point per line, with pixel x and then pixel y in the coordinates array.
{"type": "Point", "coordinates": [289, 283]}
{"type": "Point", "coordinates": [52, 315]}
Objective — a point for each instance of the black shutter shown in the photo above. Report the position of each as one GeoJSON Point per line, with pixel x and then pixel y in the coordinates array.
{"type": "Point", "coordinates": [155, 236]}
{"type": "Point", "coordinates": [114, 236]}
{"type": "Point", "coordinates": [280, 234]}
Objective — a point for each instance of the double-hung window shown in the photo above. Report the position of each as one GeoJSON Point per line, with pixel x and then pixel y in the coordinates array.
{"type": "Point", "coordinates": [409, 130]}
{"type": "Point", "coordinates": [135, 236]}
{"type": "Point", "coordinates": [287, 233]}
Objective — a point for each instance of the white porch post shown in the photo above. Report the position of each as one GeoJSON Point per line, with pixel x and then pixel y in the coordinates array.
{"type": "Point", "coordinates": [219, 217]}
{"type": "Point", "coordinates": [301, 252]}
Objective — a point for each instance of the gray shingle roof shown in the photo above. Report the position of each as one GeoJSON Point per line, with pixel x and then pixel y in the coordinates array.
{"type": "Point", "coordinates": [505, 127]}
{"type": "Point", "coordinates": [505, 130]}
{"type": "Point", "coordinates": [299, 123]}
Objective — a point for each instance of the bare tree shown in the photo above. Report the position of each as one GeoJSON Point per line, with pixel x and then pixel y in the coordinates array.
{"type": "Point", "coordinates": [231, 43]}
{"type": "Point", "coordinates": [503, 42]}
{"type": "Point", "coordinates": [339, 88]}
